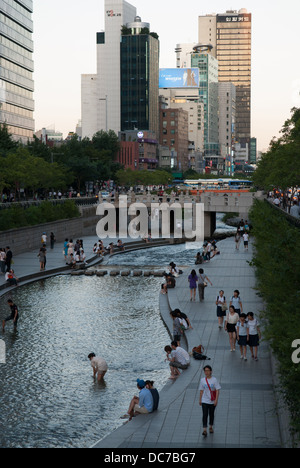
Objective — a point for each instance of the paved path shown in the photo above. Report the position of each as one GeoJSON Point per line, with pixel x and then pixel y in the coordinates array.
{"type": "Point", "coordinates": [246, 415]}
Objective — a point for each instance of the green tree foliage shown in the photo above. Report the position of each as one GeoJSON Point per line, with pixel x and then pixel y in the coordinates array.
{"type": "Point", "coordinates": [17, 216]}
{"type": "Point", "coordinates": [7, 144]}
{"type": "Point", "coordinates": [130, 178]}
{"type": "Point", "coordinates": [277, 253]}
{"type": "Point", "coordinates": [36, 166]}
{"type": "Point", "coordinates": [280, 166]}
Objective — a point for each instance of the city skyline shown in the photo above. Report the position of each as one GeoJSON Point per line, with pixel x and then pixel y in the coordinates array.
{"type": "Point", "coordinates": [62, 57]}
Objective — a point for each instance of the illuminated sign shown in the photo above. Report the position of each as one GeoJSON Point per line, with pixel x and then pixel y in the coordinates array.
{"type": "Point", "coordinates": [245, 18]}
{"type": "Point", "coordinates": [179, 78]}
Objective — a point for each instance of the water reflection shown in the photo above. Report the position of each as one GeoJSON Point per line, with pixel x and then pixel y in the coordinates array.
{"type": "Point", "coordinates": [48, 395]}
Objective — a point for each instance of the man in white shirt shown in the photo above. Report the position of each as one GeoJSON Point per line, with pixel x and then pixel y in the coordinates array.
{"type": "Point", "coordinates": [179, 359]}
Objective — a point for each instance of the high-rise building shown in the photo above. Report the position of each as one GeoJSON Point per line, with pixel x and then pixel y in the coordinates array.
{"type": "Point", "coordinates": [227, 109]}
{"type": "Point", "coordinates": [16, 68]}
{"type": "Point", "coordinates": [230, 35]}
{"type": "Point", "coordinates": [208, 94]}
{"type": "Point", "coordinates": [139, 78]}
{"type": "Point", "coordinates": [100, 93]}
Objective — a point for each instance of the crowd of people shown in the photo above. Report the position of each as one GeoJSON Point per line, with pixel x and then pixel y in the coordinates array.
{"type": "Point", "coordinates": [243, 328]}
{"type": "Point", "coordinates": [100, 250]}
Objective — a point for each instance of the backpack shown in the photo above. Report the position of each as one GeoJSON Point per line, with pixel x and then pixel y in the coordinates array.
{"type": "Point", "coordinates": [197, 354]}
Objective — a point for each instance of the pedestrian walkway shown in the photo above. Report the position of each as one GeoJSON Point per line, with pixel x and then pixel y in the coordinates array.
{"type": "Point", "coordinates": [27, 264]}
{"type": "Point", "coordinates": [246, 415]}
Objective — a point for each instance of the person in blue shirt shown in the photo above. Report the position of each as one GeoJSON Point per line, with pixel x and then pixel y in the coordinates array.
{"type": "Point", "coordinates": [143, 404]}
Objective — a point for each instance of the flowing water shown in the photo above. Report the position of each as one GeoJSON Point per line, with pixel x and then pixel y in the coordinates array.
{"type": "Point", "coordinates": [48, 396]}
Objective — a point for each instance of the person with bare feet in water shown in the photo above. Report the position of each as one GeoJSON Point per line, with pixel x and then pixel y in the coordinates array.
{"type": "Point", "coordinates": [14, 315]}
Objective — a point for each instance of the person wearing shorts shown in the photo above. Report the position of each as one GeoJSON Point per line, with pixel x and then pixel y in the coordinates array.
{"type": "Point", "coordinates": [99, 366]}
{"type": "Point", "coordinates": [14, 315]}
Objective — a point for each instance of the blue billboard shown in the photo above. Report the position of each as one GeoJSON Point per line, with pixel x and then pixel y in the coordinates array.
{"type": "Point", "coordinates": [179, 78]}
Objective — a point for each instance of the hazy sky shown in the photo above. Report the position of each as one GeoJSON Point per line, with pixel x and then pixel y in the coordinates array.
{"type": "Point", "coordinates": [65, 48]}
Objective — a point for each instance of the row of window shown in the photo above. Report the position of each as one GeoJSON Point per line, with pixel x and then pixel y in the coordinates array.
{"type": "Point", "coordinates": [15, 26]}
{"type": "Point", "coordinates": [15, 47]}
{"type": "Point", "coordinates": [15, 68]}
{"type": "Point", "coordinates": [16, 110]}
{"type": "Point", "coordinates": [19, 13]}
{"type": "Point", "coordinates": [9, 87]}
{"type": "Point", "coordinates": [20, 132]}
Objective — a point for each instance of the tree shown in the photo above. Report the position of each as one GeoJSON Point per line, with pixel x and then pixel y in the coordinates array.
{"type": "Point", "coordinates": [280, 166]}
{"type": "Point", "coordinates": [7, 143]}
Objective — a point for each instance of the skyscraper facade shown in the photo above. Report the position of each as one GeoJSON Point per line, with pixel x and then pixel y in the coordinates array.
{"type": "Point", "coordinates": [100, 93]}
{"type": "Point", "coordinates": [230, 35]}
{"type": "Point", "coordinates": [139, 78]}
{"type": "Point", "coordinates": [16, 68]}
{"type": "Point", "coordinates": [208, 94]}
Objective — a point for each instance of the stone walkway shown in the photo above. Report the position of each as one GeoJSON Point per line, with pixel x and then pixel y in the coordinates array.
{"type": "Point", "coordinates": [246, 415]}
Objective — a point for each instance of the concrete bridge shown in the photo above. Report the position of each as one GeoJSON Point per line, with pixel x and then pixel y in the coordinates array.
{"type": "Point", "coordinates": [213, 202]}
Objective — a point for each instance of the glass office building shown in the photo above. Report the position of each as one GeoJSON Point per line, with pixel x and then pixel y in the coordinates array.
{"type": "Point", "coordinates": [16, 68]}
{"type": "Point", "coordinates": [139, 80]}
{"type": "Point", "coordinates": [208, 93]}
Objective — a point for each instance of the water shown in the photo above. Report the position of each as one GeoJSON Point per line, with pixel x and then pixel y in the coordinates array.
{"type": "Point", "coordinates": [48, 396]}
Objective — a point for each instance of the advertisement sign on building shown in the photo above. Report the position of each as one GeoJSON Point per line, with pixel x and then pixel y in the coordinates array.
{"type": "Point", "coordinates": [179, 78]}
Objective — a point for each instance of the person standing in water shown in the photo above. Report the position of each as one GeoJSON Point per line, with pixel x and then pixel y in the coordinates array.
{"type": "Point", "coordinates": [99, 366]}
{"type": "Point", "coordinates": [13, 316]}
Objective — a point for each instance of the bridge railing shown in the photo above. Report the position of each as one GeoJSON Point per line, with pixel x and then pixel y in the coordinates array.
{"type": "Point", "coordinates": [291, 219]}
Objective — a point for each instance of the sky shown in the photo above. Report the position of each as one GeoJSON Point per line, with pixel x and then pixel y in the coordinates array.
{"type": "Point", "coordinates": [65, 48]}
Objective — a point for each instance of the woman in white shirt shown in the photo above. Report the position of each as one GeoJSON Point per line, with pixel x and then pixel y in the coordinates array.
{"type": "Point", "coordinates": [254, 335]}
{"type": "Point", "coordinates": [232, 319]}
{"type": "Point", "coordinates": [242, 330]}
{"type": "Point", "coordinates": [209, 396]}
{"type": "Point", "coordinates": [221, 308]}
{"type": "Point", "coordinates": [236, 302]}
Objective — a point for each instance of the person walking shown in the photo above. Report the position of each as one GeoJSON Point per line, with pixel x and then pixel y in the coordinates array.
{"type": "Point", "coordinates": [42, 258]}
{"type": "Point", "coordinates": [14, 314]}
{"type": "Point", "coordinates": [52, 240]}
{"type": "Point", "coordinates": [209, 397]}
{"type": "Point", "coordinates": [254, 335]}
{"type": "Point", "coordinates": [232, 319]}
{"type": "Point", "coordinates": [193, 279]}
{"type": "Point", "coordinates": [221, 307]}
{"type": "Point", "coordinates": [236, 302]}
{"type": "Point", "coordinates": [242, 331]}
{"type": "Point", "coordinates": [8, 258]}
{"type": "Point", "coordinates": [202, 284]}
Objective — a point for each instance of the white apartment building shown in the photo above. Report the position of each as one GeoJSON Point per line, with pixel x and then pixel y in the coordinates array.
{"type": "Point", "coordinates": [100, 93]}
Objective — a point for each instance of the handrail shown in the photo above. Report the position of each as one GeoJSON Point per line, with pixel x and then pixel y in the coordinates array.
{"type": "Point", "coordinates": [291, 219]}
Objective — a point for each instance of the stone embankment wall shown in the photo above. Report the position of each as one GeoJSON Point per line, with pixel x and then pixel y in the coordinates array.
{"type": "Point", "coordinates": [29, 238]}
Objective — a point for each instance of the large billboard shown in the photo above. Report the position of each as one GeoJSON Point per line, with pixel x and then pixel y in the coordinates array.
{"type": "Point", "coordinates": [179, 78]}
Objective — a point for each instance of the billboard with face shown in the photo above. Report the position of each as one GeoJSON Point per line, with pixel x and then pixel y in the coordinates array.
{"type": "Point", "coordinates": [179, 78]}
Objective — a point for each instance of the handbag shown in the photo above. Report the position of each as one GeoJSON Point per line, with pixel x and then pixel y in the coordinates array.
{"type": "Point", "coordinates": [224, 307]}
{"type": "Point", "coordinates": [213, 393]}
